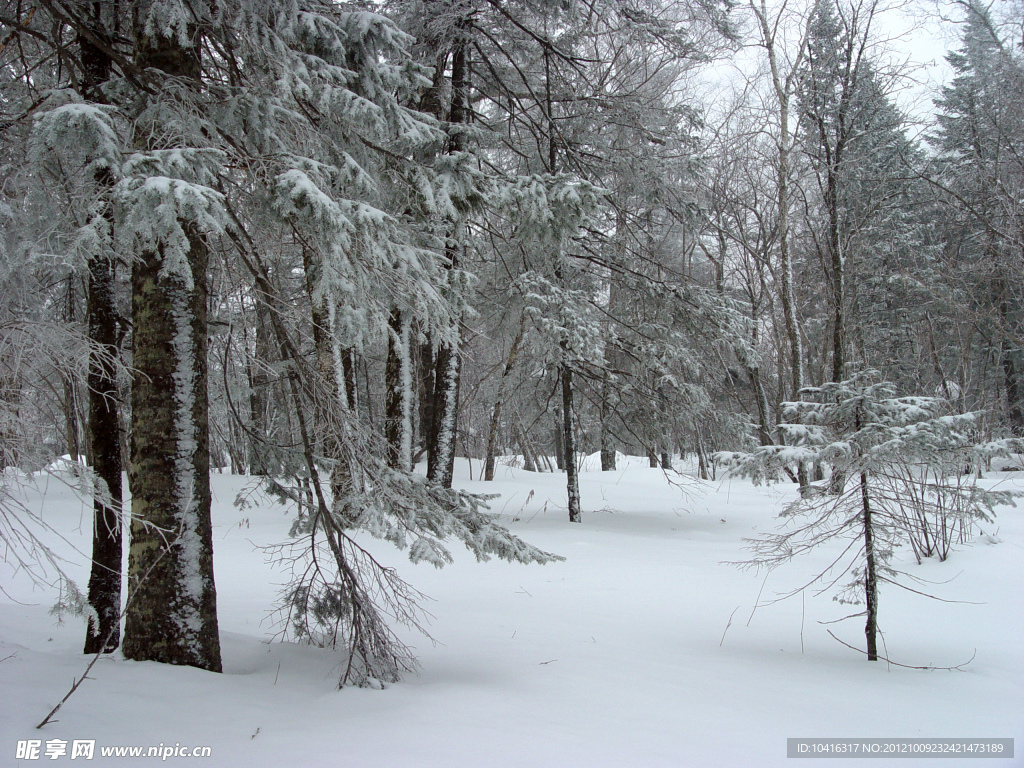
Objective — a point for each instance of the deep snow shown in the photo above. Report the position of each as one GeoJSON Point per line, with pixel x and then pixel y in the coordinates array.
{"type": "Point", "coordinates": [641, 649]}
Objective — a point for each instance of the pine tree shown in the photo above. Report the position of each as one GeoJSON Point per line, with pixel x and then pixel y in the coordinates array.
{"type": "Point", "coordinates": [894, 454]}
{"type": "Point", "coordinates": [981, 175]}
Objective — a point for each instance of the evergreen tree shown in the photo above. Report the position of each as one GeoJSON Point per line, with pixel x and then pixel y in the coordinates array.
{"type": "Point", "coordinates": [980, 174]}
{"type": "Point", "coordinates": [894, 454]}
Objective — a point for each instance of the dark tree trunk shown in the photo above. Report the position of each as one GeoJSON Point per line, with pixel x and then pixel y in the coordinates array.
{"type": "Point", "coordinates": [398, 395]}
{"type": "Point", "coordinates": [569, 443]}
{"type": "Point", "coordinates": [870, 575]}
{"type": "Point", "coordinates": [103, 632]}
{"type": "Point", "coordinates": [172, 613]}
{"type": "Point", "coordinates": [425, 379]}
{"type": "Point", "coordinates": [607, 445]}
{"type": "Point", "coordinates": [1012, 363]}
{"type": "Point", "coordinates": [448, 363]}
{"type": "Point", "coordinates": [665, 437]}
{"type": "Point", "coordinates": [1013, 372]}
{"type": "Point", "coordinates": [348, 373]}
{"type": "Point", "coordinates": [105, 576]}
{"type": "Point", "coordinates": [607, 455]}
{"type": "Point", "coordinates": [837, 281]}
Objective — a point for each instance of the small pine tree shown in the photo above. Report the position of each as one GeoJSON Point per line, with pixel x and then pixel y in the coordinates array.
{"type": "Point", "coordinates": [895, 455]}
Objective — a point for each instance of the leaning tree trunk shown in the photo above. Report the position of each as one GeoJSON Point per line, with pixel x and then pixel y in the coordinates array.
{"type": "Point", "coordinates": [530, 462]}
{"type": "Point", "coordinates": [172, 612]}
{"type": "Point", "coordinates": [492, 434]}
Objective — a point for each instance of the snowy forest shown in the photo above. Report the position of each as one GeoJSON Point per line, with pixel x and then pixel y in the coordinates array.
{"type": "Point", "coordinates": [317, 292]}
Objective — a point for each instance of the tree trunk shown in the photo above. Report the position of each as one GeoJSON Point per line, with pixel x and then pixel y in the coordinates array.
{"type": "Point", "coordinates": [837, 278]}
{"type": "Point", "coordinates": [1013, 372]}
{"type": "Point", "coordinates": [529, 455]}
{"type": "Point", "coordinates": [870, 575]}
{"type": "Point", "coordinates": [261, 422]}
{"type": "Point", "coordinates": [172, 615]}
{"type": "Point", "coordinates": [1013, 366]}
{"type": "Point", "coordinates": [441, 456]}
{"type": "Point", "coordinates": [607, 446]}
{"type": "Point", "coordinates": [333, 390]}
{"type": "Point", "coordinates": [172, 612]}
{"type": "Point", "coordinates": [492, 434]}
{"type": "Point", "coordinates": [425, 389]}
{"type": "Point", "coordinates": [398, 395]}
{"type": "Point", "coordinates": [103, 632]}
{"type": "Point", "coordinates": [764, 429]}
{"type": "Point", "coordinates": [559, 434]}
{"type": "Point", "coordinates": [441, 460]}
{"type": "Point", "coordinates": [665, 438]}
{"type": "Point", "coordinates": [569, 441]}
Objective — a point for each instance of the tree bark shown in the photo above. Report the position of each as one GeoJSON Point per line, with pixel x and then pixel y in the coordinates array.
{"type": "Point", "coordinates": [261, 425]}
{"type": "Point", "coordinates": [398, 394]}
{"type": "Point", "coordinates": [569, 443]}
{"type": "Point", "coordinates": [103, 631]}
{"type": "Point", "coordinates": [870, 575]}
{"type": "Point", "coordinates": [441, 456]}
{"type": "Point", "coordinates": [1013, 365]}
{"type": "Point", "coordinates": [105, 574]}
{"type": "Point", "coordinates": [425, 390]}
{"type": "Point", "coordinates": [441, 460]}
{"type": "Point", "coordinates": [172, 614]}
{"type": "Point", "coordinates": [607, 446]}
{"type": "Point", "coordinates": [530, 463]}
{"type": "Point", "coordinates": [492, 434]}
{"type": "Point", "coordinates": [559, 435]}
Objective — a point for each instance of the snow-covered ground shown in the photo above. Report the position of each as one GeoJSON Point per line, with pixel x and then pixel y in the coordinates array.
{"type": "Point", "coordinates": [641, 649]}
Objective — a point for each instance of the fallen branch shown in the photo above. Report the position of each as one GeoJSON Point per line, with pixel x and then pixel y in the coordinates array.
{"type": "Point", "coordinates": [906, 666]}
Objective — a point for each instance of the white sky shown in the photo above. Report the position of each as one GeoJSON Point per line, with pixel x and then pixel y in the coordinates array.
{"type": "Point", "coordinates": [912, 38]}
